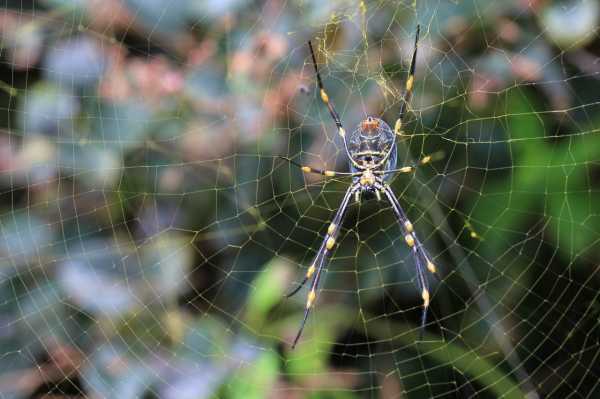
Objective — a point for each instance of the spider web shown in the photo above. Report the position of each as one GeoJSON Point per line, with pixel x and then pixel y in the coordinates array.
{"type": "Point", "coordinates": [149, 231]}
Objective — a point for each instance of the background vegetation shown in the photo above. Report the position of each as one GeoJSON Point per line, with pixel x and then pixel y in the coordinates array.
{"type": "Point", "coordinates": [148, 231]}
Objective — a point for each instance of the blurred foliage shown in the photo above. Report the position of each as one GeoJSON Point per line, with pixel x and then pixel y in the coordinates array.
{"type": "Point", "coordinates": [149, 231]}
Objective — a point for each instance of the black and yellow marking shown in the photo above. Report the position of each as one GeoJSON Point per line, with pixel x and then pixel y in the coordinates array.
{"type": "Point", "coordinates": [411, 168]}
{"type": "Point", "coordinates": [421, 258]}
{"type": "Point", "coordinates": [331, 229]}
{"type": "Point", "coordinates": [409, 83]}
{"type": "Point", "coordinates": [330, 243]}
{"type": "Point", "coordinates": [325, 98]}
{"type": "Point", "coordinates": [431, 267]}
{"type": "Point", "coordinates": [425, 296]}
{"type": "Point", "coordinates": [398, 127]}
{"type": "Point", "coordinates": [309, 169]}
{"type": "Point", "coordinates": [312, 295]}
{"type": "Point", "coordinates": [322, 92]}
{"type": "Point", "coordinates": [409, 86]}
{"type": "Point", "coordinates": [314, 271]}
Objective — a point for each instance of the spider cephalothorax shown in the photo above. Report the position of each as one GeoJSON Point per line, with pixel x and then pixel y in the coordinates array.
{"type": "Point", "coordinates": [371, 151]}
{"type": "Point", "coordinates": [370, 125]}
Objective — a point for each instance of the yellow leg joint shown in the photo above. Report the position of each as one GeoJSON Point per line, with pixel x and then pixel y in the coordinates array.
{"type": "Point", "coordinates": [330, 243]}
{"type": "Point", "coordinates": [311, 271]}
{"type": "Point", "coordinates": [408, 226]}
{"type": "Point", "coordinates": [329, 173]}
{"type": "Point", "coordinates": [406, 169]}
{"type": "Point", "coordinates": [331, 229]}
{"type": "Point", "coordinates": [409, 82]}
{"type": "Point", "coordinates": [306, 169]}
{"type": "Point", "coordinates": [324, 97]}
{"type": "Point", "coordinates": [431, 267]}
{"type": "Point", "coordinates": [425, 296]}
{"type": "Point", "coordinates": [357, 196]}
{"type": "Point", "coordinates": [426, 160]}
{"type": "Point", "coordinates": [410, 240]}
{"type": "Point", "coordinates": [342, 132]}
{"type": "Point", "coordinates": [398, 127]}
{"type": "Point", "coordinates": [311, 299]}
{"type": "Point", "coordinates": [378, 195]}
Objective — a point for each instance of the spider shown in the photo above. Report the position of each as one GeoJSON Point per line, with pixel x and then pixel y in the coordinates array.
{"type": "Point", "coordinates": [371, 151]}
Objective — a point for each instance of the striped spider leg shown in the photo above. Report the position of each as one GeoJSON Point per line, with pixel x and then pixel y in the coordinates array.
{"type": "Point", "coordinates": [320, 260]}
{"type": "Point", "coordinates": [420, 256]}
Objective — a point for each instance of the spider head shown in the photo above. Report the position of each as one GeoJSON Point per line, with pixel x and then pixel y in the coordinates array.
{"type": "Point", "coordinates": [367, 179]}
{"type": "Point", "coordinates": [370, 126]}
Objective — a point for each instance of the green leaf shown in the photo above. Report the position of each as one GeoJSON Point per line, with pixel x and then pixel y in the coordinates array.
{"type": "Point", "coordinates": [526, 132]}
{"type": "Point", "coordinates": [311, 355]}
{"type": "Point", "coordinates": [508, 200]}
{"type": "Point", "coordinates": [255, 380]}
{"type": "Point", "coordinates": [267, 291]}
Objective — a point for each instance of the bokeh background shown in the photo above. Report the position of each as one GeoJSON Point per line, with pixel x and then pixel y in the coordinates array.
{"type": "Point", "coordinates": [148, 231]}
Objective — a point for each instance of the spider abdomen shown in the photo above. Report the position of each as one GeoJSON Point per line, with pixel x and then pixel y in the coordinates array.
{"type": "Point", "coordinates": [372, 145]}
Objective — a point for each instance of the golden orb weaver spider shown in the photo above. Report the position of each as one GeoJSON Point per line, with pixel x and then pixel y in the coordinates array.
{"type": "Point", "coordinates": [371, 151]}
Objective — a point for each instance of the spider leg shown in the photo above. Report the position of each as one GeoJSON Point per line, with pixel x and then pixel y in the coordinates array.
{"type": "Point", "coordinates": [316, 267]}
{"type": "Point", "coordinates": [409, 86]}
{"type": "Point", "coordinates": [331, 233]}
{"type": "Point", "coordinates": [418, 251]}
{"type": "Point", "coordinates": [325, 98]}
{"type": "Point", "coordinates": [311, 270]}
{"type": "Point", "coordinates": [410, 168]}
{"type": "Point", "coordinates": [310, 169]}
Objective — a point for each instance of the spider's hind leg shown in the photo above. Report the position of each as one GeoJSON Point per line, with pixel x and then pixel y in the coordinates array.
{"type": "Point", "coordinates": [314, 271]}
{"type": "Point", "coordinates": [422, 261]}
